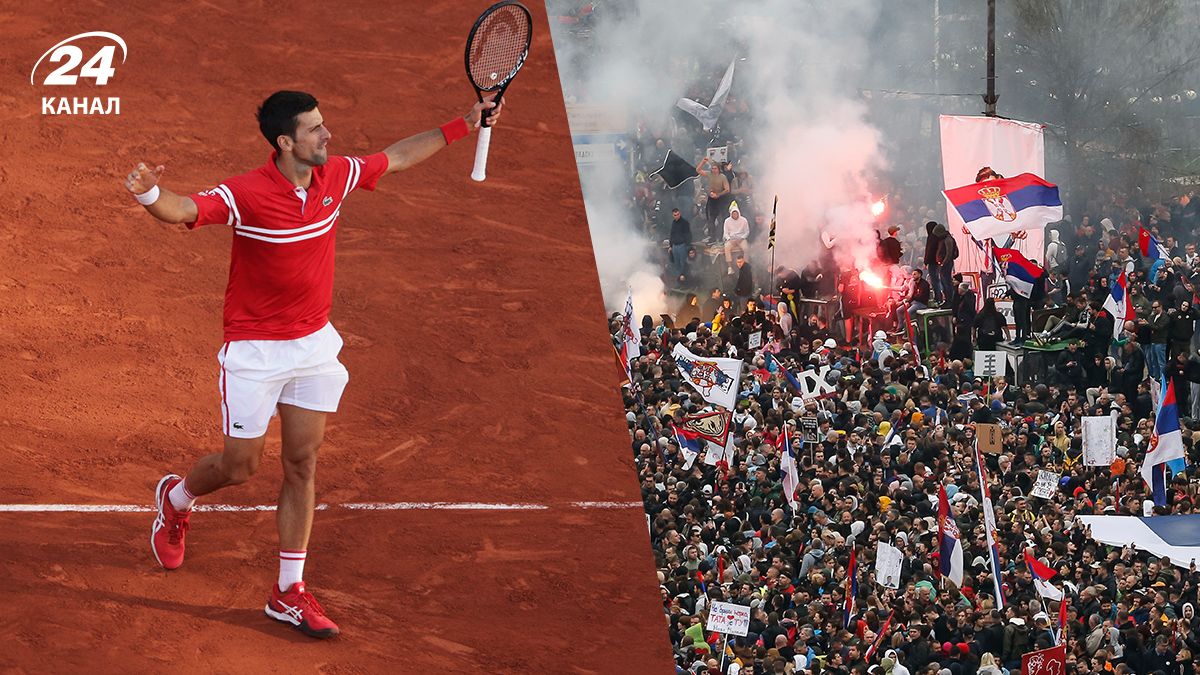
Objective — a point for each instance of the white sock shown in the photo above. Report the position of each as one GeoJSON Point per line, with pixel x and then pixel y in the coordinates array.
{"type": "Point", "coordinates": [180, 498]}
{"type": "Point", "coordinates": [291, 568]}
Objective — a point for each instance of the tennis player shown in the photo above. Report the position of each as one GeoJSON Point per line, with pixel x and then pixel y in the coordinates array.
{"type": "Point", "coordinates": [281, 353]}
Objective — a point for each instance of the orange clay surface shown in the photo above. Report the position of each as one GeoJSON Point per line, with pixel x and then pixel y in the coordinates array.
{"type": "Point", "coordinates": [479, 366]}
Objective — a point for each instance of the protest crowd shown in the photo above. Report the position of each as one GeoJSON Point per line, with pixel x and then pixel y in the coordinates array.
{"type": "Point", "coordinates": [885, 457]}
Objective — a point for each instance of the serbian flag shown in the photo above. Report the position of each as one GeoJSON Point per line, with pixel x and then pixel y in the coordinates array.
{"type": "Point", "coordinates": [950, 559]}
{"type": "Point", "coordinates": [787, 465]}
{"type": "Point", "coordinates": [1119, 304]}
{"type": "Point", "coordinates": [1166, 444]}
{"type": "Point", "coordinates": [851, 589]}
{"type": "Point", "coordinates": [1020, 273]}
{"type": "Point", "coordinates": [998, 207]}
{"type": "Point", "coordinates": [690, 443]}
{"type": "Point", "coordinates": [1153, 251]}
{"type": "Point", "coordinates": [1041, 576]}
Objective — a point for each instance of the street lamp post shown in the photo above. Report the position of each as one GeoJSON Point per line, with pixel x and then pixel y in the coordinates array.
{"type": "Point", "coordinates": [989, 99]}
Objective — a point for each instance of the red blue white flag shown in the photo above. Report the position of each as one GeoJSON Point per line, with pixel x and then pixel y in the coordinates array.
{"type": "Point", "coordinates": [992, 208]}
{"type": "Point", "coordinates": [1020, 272]}
{"type": "Point", "coordinates": [1119, 304]}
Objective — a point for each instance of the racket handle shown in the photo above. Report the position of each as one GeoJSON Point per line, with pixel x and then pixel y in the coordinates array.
{"type": "Point", "coordinates": [481, 153]}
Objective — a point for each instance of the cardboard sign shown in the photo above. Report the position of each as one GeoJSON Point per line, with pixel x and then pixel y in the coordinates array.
{"type": "Point", "coordinates": [728, 618]}
{"type": "Point", "coordinates": [755, 340]}
{"type": "Point", "coordinates": [990, 438]}
{"type": "Point", "coordinates": [719, 153]}
{"type": "Point", "coordinates": [1005, 307]}
{"type": "Point", "coordinates": [997, 291]}
{"type": "Point", "coordinates": [989, 363]}
{"type": "Point", "coordinates": [1099, 440]}
{"type": "Point", "coordinates": [808, 426]}
{"type": "Point", "coordinates": [1047, 483]}
{"type": "Point", "coordinates": [888, 560]}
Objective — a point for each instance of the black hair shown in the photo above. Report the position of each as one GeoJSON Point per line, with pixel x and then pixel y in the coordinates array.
{"type": "Point", "coordinates": [277, 115]}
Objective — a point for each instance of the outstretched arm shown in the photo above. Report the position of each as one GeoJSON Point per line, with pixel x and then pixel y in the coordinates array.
{"type": "Point", "coordinates": [417, 148]}
{"type": "Point", "coordinates": [168, 207]}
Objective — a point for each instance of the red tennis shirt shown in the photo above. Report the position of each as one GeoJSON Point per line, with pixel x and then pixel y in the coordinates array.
{"type": "Point", "coordinates": [281, 263]}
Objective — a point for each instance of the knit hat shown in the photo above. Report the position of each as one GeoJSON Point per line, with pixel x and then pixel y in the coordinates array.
{"type": "Point", "coordinates": [733, 207]}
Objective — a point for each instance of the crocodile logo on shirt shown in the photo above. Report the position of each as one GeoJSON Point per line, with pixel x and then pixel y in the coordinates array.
{"type": "Point", "coordinates": [327, 201]}
{"type": "Point", "coordinates": [238, 426]}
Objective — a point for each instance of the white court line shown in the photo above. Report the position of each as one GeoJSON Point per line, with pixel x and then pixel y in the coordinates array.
{"type": "Point", "coordinates": [441, 506]}
{"type": "Point", "coordinates": [356, 506]}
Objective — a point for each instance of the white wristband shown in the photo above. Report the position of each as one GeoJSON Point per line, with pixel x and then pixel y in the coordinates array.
{"type": "Point", "coordinates": [148, 197]}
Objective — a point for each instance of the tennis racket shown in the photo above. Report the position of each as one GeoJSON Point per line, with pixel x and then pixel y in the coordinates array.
{"type": "Point", "coordinates": [496, 50]}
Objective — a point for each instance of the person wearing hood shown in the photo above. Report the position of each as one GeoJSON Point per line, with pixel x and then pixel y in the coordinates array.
{"type": "Point", "coordinates": [1056, 251]}
{"type": "Point", "coordinates": [943, 270]}
{"type": "Point", "coordinates": [880, 348]}
{"type": "Point", "coordinates": [931, 245]}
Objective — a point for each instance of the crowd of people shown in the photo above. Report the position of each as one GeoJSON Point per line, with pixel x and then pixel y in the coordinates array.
{"type": "Point", "coordinates": [900, 428]}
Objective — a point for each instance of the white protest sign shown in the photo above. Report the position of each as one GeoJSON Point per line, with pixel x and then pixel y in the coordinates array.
{"type": "Point", "coordinates": [1047, 483]}
{"type": "Point", "coordinates": [997, 291]}
{"type": "Point", "coordinates": [1099, 440]}
{"type": "Point", "coordinates": [755, 340]}
{"type": "Point", "coordinates": [719, 154]}
{"type": "Point", "coordinates": [888, 559]}
{"type": "Point", "coordinates": [728, 618]}
{"type": "Point", "coordinates": [813, 384]}
{"type": "Point", "coordinates": [989, 363]}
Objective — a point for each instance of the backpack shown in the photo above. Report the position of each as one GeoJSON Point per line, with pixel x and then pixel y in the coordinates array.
{"type": "Point", "coordinates": [951, 247]}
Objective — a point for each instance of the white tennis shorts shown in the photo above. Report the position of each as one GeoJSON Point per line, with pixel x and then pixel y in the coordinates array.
{"type": "Point", "coordinates": [258, 375]}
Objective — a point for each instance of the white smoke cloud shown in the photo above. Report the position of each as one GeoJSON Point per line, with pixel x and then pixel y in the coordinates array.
{"type": "Point", "coordinates": [810, 142]}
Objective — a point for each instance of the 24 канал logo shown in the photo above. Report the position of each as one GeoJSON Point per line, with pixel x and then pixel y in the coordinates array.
{"type": "Point", "coordinates": [75, 64]}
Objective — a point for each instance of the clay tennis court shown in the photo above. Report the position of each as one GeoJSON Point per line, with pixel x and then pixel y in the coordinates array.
{"type": "Point", "coordinates": [480, 373]}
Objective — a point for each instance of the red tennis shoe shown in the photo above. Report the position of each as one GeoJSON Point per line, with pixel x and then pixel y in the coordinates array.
{"type": "Point", "coordinates": [170, 527]}
{"type": "Point", "coordinates": [298, 607]}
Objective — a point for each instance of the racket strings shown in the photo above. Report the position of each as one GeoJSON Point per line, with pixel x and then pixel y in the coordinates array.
{"type": "Point", "coordinates": [498, 46]}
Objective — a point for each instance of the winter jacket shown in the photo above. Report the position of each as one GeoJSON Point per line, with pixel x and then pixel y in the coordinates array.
{"type": "Point", "coordinates": [947, 248]}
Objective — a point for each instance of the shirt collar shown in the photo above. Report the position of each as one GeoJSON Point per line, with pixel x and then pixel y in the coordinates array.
{"type": "Point", "coordinates": [279, 179]}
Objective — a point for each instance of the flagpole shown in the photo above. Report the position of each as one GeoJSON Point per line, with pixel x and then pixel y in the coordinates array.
{"type": "Point", "coordinates": [724, 648]}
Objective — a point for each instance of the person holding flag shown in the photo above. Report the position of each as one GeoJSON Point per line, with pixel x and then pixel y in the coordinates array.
{"type": "Point", "coordinates": [1166, 444]}
{"type": "Point", "coordinates": [1153, 251]}
{"type": "Point", "coordinates": [787, 466]}
{"type": "Point", "coordinates": [949, 547]}
{"type": "Point", "coordinates": [1120, 305]}
{"type": "Point", "coordinates": [1027, 280]}
{"type": "Point", "coordinates": [1041, 575]}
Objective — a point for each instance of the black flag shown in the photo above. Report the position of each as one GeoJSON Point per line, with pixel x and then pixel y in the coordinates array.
{"type": "Point", "coordinates": [771, 238]}
{"type": "Point", "coordinates": [675, 170]}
